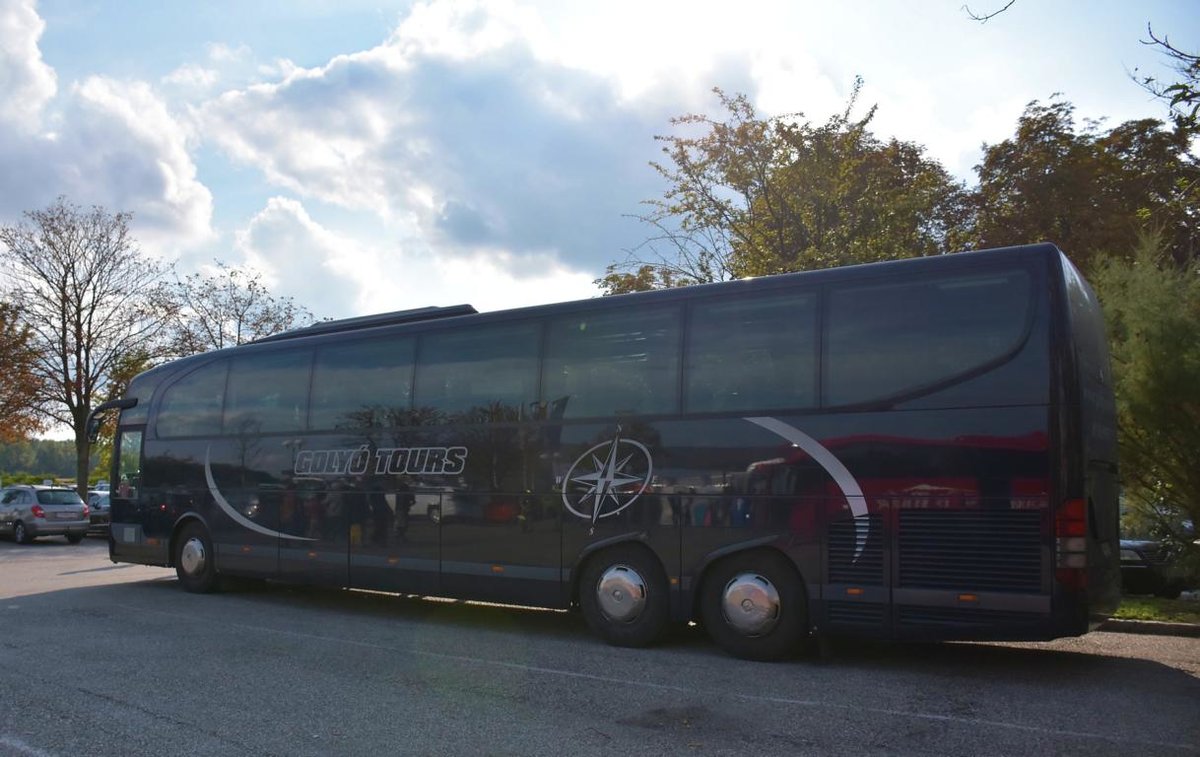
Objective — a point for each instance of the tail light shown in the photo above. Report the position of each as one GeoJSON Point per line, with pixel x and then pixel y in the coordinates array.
{"type": "Point", "coordinates": [1070, 530]}
{"type": "Point", "coordinates": [37, 511]}
{"type": "Point", "coordinates": [85, 510]}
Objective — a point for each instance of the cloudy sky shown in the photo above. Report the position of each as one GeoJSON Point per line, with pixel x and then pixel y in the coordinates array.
{"type": "Point", "coordinates": [368, 156]}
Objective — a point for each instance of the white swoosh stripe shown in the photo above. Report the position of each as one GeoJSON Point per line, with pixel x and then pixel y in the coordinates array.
{"type": "Point", "coordinates": [834, 467]}
{"type": "Point", "coordinates": [232, 513]}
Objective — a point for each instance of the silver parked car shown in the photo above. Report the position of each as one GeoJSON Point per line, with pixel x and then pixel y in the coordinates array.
{"type": "Point", "coordinates": [28, 512]}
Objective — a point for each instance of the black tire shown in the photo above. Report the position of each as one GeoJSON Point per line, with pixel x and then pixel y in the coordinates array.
{"type": "Point", "coordinates": [625, 597]}
{"type": "Point", "coordinates": [21, 534]}
{"type": "Point", "coordinates": [1169, 592]}
{"type": "Point", "coordinates": [74, 538]}
{"type": "Point", "coordinates": [765, 614]}
{"type": "Point", "coordinates": [195, 563]}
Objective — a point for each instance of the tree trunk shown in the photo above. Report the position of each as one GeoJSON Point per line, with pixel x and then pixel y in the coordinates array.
{"type": "Point", "coordinates": [82, 455]}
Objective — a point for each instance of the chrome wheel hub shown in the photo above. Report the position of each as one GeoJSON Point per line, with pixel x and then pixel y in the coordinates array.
{"type": "Point", "coordinates": [750, 604]}
{"type": "Point", "coordinates": [192, 557]}
{"type": "Point", "coordinates": [621, 592]}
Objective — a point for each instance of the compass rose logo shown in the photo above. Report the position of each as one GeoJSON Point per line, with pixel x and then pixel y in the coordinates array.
{"type": "Point", "coordinates": [607, 478]}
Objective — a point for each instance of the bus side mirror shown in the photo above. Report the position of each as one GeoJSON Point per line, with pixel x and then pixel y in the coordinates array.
{"type": "Point", "coordinates": [93, 423]}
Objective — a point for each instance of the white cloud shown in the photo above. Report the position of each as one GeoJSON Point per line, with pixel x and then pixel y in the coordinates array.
{"type": "Point", "coordinates": [103, 142]}
{"type": "Point", "coordinates": [334, 274]}
{"type": "Point", "coordinates": [301, 259]}
{"type": "Point", "coordinates": [193, 78]}
{"type": "Point", "coordinates": [457, 126]}
{"type": "Point", "coordinates": [123, 149]}
{"type": "Point", "coordinates": [487, 281]}
{"type": "Point", "coordinates": [467, 30]}
{"type": "Point", "coordinates": [26, 82]}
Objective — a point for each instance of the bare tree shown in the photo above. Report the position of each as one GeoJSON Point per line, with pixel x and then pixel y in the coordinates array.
{"type": "Point", "coordinates": [1182, 96]}
{"type": "Point", "coordinates": [90, 300]}
{"type": "Point", "coordinates": [983, 18]}
{"type": "Point", "coordinates": [227, 309]}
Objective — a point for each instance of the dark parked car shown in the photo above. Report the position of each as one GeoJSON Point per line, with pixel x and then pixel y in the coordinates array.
{"type": "Point", "coordinates": [1146, 569]}
{"type": "Point", "coordinates": [28, 512]}
{"type": "Point", "coordinates": [98, 505]}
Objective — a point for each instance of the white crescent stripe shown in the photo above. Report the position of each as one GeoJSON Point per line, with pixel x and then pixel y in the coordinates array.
{"type": "Point", "coordinates": [232, 513]}
{"type": "Point", "coordinates": [838, 472]}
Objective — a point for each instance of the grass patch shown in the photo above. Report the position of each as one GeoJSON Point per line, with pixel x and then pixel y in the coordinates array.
{"type": "Point", "coordinates": [1154, 608]}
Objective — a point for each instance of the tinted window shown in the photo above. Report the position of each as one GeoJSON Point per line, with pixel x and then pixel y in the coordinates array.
{"type": "Point", "coordinates": [192, 405]}
{"type": "Point", "coordinates": [613, 363]}
{"type": "Point", "coordinates": [885, 339]}
{"type": "Point", "coordinates": [267, 392]}
{"type": "Point", "coordinates": [745, 354]}
{"type": "Point", "coordinates": [364, 384]}
{"type": "Point", "coordinates": [142, 389]}
{"type": "Point", "coordinates": [488, 372]}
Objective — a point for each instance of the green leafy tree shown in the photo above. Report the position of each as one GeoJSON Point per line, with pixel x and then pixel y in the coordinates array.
{"type": "Point", "coordinates": [1153, 309]}
{"type": "Point", "coordinates": [226, 309]}
{"type": "Point", "coordinates": [20, 385]}
{"type": "Point", "coordinates": [89, 298]}
{"type": "Point", "coordinates": [1092, 192]}
{"type": "Point", "coordinates": [750, 196]}
{"type": "Point", "coordinates": [645, 278]}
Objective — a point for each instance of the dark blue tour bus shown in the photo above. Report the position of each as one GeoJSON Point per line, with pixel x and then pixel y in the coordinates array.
{"type": "Point", "coordinates": [915, 449]}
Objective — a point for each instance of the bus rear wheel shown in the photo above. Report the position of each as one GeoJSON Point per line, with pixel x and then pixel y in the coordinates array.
{"type": "Point", "coordinates": [623, 592]}
{"type": "Point", "coordinates": [753, 606]}
{"type": "Point", "coordinates": [195, 564]}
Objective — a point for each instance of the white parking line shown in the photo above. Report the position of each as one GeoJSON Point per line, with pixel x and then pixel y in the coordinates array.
{"type": "Point", "coordinates": [20, 747]}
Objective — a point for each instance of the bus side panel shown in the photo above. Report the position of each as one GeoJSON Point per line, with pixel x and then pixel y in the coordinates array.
{"type": "Point", "coordinates": [499, 524]}
{"type": "Point", "coordinates": [232, 486]}
{"type": "Point", "coordinates": [635, 456]}
{"type": "Point", "coordinates": [929, 525]}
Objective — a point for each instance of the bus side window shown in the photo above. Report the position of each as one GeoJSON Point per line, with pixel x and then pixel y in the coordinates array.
{"type": "Point", "coordinates": [752, 354]}
{"type": "Point", "coordinates": [481, 373]}
{"type": "Point", "coordinates": [604, 364]}
{"type": "Point", "coordinates": [884, 339]}
{"type": "Point", "coordinates": [362, 384]}
{"type": "Point", "coordinates": [268, 392]}
{"type": "Point", "coordinates": [192, 405]}
{"type": "Point", "coordinates": [129, 471]}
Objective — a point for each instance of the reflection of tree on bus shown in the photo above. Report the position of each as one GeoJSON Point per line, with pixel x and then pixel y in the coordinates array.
{"type": "Point", "coordinates": [405, 499]}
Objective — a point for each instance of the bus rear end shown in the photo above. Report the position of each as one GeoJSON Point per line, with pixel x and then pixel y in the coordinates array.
{"type": "Point", "coordinates": [1087, 524]}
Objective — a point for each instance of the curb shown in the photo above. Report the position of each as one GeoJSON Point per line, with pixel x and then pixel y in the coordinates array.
{"type": "Point", "coordinates": [1153, 627]}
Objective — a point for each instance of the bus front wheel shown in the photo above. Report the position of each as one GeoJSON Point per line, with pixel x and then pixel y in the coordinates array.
{"type": "Point", "coordinates": [194, 560]}
{"type": "Point", "coordinates": [624, 596]}
{"type": "Point", "coordinates": [753, 605]}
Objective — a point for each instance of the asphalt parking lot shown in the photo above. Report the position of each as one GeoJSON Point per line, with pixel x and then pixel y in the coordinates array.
{"type": "Point", "coordinates": [114, 659]}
